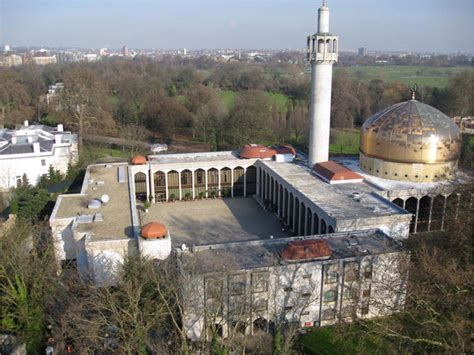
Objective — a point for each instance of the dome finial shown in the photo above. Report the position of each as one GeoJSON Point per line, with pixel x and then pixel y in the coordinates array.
{"type": "Point", "coordinates": [413, 91]}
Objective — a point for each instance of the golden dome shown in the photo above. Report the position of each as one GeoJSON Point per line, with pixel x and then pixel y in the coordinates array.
{"type": "Point", "coordinates": [411, 132]}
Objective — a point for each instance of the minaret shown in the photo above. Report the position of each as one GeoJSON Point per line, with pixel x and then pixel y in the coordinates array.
{"type": "Point", "coordinates": [322, 52]}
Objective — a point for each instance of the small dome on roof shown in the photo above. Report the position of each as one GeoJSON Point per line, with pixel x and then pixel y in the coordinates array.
{"type": "Point", "coordinates": [138, 160]}
{"type": "Point", "coordinates": [257, 151]}
{"type": "Point", "coordinates": [154, 230]}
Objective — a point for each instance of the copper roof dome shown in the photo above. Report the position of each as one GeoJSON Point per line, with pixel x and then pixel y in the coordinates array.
{"type": "Point", "coordinates": [154, 230]}
{"type": "Point", "coordinates": [411, 132]}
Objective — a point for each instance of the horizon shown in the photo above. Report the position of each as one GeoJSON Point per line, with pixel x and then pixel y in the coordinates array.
{"type": "Point", "coordinates": [237, 24]}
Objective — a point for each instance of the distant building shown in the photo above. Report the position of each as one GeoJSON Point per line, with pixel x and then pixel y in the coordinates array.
{"type": "Point", "coordinates": [125, 51]}
{"type": "Point", "coordinates": [53, 91]}
{"type": "Point", "coordinates": [103, 52]}
{"type": "Point", "coordinates": [69, 57]}
{"type": "Point", "coordinates": [43, 57]}
{"type": "Point", "coordinates": [11, 60]}
{"type": "Point", "coordinates": [6, 48]}
{"type": "Point", "coordinates": [362, 52]}
{"type": "Point", "coordinates": [31, 150]}
{"type": "Point", "coordinates": [90, 57]}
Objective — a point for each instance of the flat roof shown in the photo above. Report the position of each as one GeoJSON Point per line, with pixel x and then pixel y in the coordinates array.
{"type": "Point", "coordinates": [351, 200]}
{"type": "Point", "coordinates": [193, 157]}
{"type": "Point", "coordinates": [117, 220]}
{"type": "Point", "coordinates": [392, 185]}
{"type": "Point", "coordinates": [211, 221]}
{"type": "Point", "coordinates": [267, 253]}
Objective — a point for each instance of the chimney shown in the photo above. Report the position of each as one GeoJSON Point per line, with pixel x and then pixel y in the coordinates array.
{"type": "Point", "coordinates": [14, 140]}
{"type": "Point", "coordinates": [57, 139]}
{"type": "Point", "coordinates": [60, 128]}
{"type": "Point", "coordinates": [36, 147]}
{"type": "Point", "coordinates": [26, 123]}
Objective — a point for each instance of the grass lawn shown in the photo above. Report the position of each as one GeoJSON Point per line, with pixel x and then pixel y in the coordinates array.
{"type": "Point", "coordinates": [280, 100]}
{"type": "Point", "coordinates": [324, 341]}
{"type": "Point", "coordinates": [407, 74]}
{"type": "Point", "coordinates": [344, 142]}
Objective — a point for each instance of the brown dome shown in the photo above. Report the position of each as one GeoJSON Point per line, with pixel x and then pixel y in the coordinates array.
{"type": "Point", "coordinates": [257, 151]}
{"type": "Point", "coordinates": [138, 160]}
{"type": "Point", "coordinates": [154, 230]}
{"type": "Point", "coordinates": [411, 132]}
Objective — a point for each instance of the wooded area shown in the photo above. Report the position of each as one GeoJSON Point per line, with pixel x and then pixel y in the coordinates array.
{"type": "Point", "coordinates": [222, 104]}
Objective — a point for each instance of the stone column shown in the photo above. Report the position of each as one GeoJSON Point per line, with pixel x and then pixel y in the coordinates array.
{"type": "Point", "coordinates": [431, 213]}
{"type": "Point", "coordinates": [219, 182]}
{"type": "Point", "coordinates": [245, 182]}
{"type": "Point", "coordinates": [166, 186]}
{"type": "Point", "coordinates": [231, 182]}
{"type": "Point", "coordinates": [205, 181]}
{"type": "Point", "coordinates": [444, 212]}
{"type": "Point", "coordinates": [192, 182]}
{"type": "Point", "coordinates": [416, 214]}
{"type": "Point", "coordinates": [152, 185]}
{"type": "Point", "coordinates": [180, 195]}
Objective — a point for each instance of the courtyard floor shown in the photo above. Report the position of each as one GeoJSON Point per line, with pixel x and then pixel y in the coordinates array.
{"type": "Point", "coordinates": [215, 221]}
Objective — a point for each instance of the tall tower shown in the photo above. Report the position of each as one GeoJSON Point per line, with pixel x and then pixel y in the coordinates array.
{"type": "Point", "coordinates": [322, 51]}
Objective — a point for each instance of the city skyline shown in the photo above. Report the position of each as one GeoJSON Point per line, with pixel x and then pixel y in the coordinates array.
{"type": "Point", "coordinates": [444, 27]}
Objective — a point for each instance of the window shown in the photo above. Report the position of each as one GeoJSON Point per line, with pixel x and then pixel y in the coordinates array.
{"type": "Point", "coordinates": [288, 289]}
{"type": "Point", "coordinates": [237, 285]}
{"type": "Point", "coordinates": [259, 282]}
{"type": "Point", "coordinates": [214, 288]}
{"type": "Point", "coordinates": [305, 313]}
{"type": "Point", "coordinates": [306, 277]}
{"type": "Point", "coordinates": [329, 314]}
{"type": "Point", "coordinates": [330, 274]}
{"type": "Point", "coordinates": [288, 308]}
{"type": "Point", "coordinates": [214, 306]}
{"type": "Point", "coordinates": [368, 272]}
{"type": "Point", "coordinates": [306, 295]}
{"type": "Point", "coordinates": [351, 272]}
{"type": "Point", "coordinates": [364, 309]}
{"type": "Point", "coordinates": [366, 293]}
{"type": "Point", "coordinates": [330, 296]}
{"type": "Point", "coordinates": [69, 264]}
{"type": "Point", "coordinates": [43, 162]}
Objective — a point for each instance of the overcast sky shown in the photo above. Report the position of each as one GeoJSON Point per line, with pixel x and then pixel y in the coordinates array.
{"type": "Point", "coordinates": [396, 25]}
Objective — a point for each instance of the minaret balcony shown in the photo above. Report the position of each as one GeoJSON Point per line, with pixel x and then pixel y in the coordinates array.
{"type": "Point", "coordinates": [322, 48]}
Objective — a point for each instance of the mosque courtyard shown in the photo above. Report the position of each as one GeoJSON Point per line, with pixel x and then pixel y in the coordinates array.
{"type": "Point", "coordinates": [212, 221]}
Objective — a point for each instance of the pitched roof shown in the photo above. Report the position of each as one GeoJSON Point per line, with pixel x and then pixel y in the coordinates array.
{"type": "Point", "coordinates": [333, 172]}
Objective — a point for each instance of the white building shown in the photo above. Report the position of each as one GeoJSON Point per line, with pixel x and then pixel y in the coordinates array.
{"type": "Point", "coordinates": [31, 150]}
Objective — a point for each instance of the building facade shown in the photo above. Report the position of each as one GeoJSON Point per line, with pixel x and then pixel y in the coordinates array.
{"type": "Point", "coordinates": [31, 150]}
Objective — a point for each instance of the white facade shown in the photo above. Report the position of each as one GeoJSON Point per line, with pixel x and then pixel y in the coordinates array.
{"type": "Point", "coordinates": [322, 53]}
{"type": "Point", "coordinates": [31, 150]}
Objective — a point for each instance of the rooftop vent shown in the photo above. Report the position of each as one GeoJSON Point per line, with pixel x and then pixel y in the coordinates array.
{"type": "Point", "coordinates": [94, 204]}
{"type": "Point", "coordinates": [105, 198]}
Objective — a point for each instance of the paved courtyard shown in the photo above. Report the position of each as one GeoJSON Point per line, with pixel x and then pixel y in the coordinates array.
{"type": "Point", "coordinates": [215, 221]}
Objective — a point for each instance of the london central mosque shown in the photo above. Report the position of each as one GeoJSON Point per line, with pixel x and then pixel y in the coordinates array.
{"type": "Point", "coordinates": [266, 234]}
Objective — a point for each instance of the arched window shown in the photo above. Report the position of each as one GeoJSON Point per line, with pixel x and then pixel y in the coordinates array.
{"type": "Point", "coordinates": [226, 182]}
{"type": "Point", "coordinates": [260, 325]}
{"type": "Point", "coordinates": [200, 183]}
{"type": "Point", "coordinates": [212, 182]}
{"type": "Point", "coordinates": [251, 180]}
{"type": "Point", "coordinates": [159, 180]}
{"type": "Point", "coordinates": [323, 227]}
{"type": "Point", "coordinates": [320, 45]}
{"type": "Point", "coordinates": [187, 184]}
{"type": "Point", "coordinates": [301, 230]}
{"type": "Point", "coordinates": [316, 223]}
{"type": "Point", "coordinates": [239, 181]}
{"type": "Point", "coordinates": [334, 46]}
{"type": "Point", "coordinates": [330, 229]}
{"type": "Point", "coordinates": [437, 213]}
{"type": "Point", "coordinates": [328, 46]}
{"type": "Point", "coordinates": [297, 216]}
{"type": "Point", "coordinates": [173, 185]}
{"type": "Point", "coordinates": [309, 221]}
{"type": "Point", "coordinates": [140, 186]}
{"type": "Point", "coordinates": [423, 214]}
{"type": "Point", "coordinates": [410, 206]}
{"type": "Point", "coordinates": [398, 202]}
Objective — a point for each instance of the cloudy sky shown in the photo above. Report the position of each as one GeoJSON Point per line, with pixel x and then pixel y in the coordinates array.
{"type": "Point", "coordinates": [417, 25]}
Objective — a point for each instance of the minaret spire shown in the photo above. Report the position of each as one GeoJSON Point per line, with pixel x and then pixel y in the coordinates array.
{"type": "Point", "coordinates": [322, 53]}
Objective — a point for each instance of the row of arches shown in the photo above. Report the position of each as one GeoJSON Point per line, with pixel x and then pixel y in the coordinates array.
{"type": "Point", "coordinates": [299, 218]}
{"type": "Point", "coordinates": [192, 184]}
{"type": "Point", "coordinates": [322, 46]}
{"type": "Point", "coordinates": [239, 327]}
{"type": "Point", "coordinates": [436, 213]}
